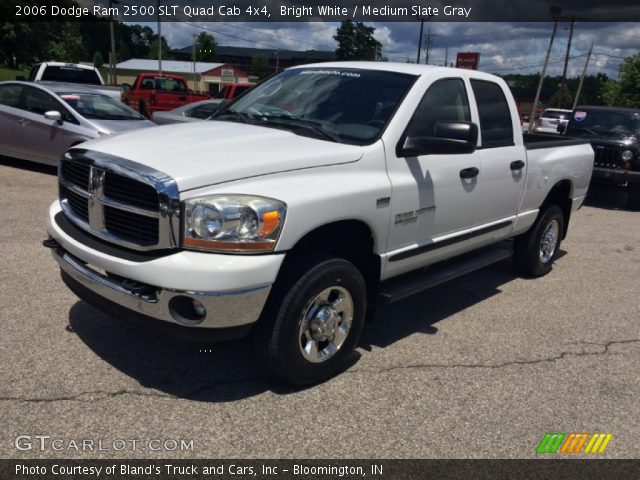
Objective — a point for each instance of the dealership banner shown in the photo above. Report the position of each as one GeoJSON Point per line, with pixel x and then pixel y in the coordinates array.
{"type": "Point", "coordinates": [468, 60]}
{"type": "Point", "coordinates": [318, 10]}
{"type": "Point", "coordinates": [167, 469]}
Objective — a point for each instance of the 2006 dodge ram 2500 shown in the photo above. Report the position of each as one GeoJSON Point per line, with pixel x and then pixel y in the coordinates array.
{"type": "Point", "coordinates": [320, 191]}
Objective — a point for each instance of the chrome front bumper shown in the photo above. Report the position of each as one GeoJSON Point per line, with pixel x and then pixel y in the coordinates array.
{"type": "Point", "coordinates": [225, 309]}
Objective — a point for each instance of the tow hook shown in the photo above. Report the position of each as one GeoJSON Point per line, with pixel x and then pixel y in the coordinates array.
{"type": "Point", "coordinates": [50, 243]}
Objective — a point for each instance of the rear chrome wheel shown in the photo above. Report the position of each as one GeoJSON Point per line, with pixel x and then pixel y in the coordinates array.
{"type": "Point", "coordinates": [535, 250]}
{"type": "Point", "coordinates": [549, 241]}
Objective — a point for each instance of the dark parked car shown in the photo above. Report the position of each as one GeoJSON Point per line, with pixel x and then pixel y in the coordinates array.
{"type": "Point", "coordinates": [614, 133]}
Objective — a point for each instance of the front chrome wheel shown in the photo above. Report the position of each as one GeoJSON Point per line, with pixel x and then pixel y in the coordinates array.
{"type": "Point", "coordinates": [326, 324]}
{"type": "Point", "coordinates": [549, 240]}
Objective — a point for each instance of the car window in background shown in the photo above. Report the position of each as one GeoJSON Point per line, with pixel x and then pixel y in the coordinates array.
{"type": "Point", "coordinates": [555, 114]}
{"type": "Point", "coordinates": [71, 75]}
{"type": "Point", "coordinates": [604, 123]}
{"type": "Point", "coordinates": [445, 101]}
{"type": "Point", "coordinates": [203, 111]}
{"type": "Point", "coordinates": [169, 85]}
{"type": "Point", "coordinates": [39, 102]}
{"type": "Point", "coordinates": [33, 72]}
{"type": "Point", "coordinates": [99, 107]}
{"type": "Point", "coordinates": [340, 105]}
{"type": "Point", "coordinates": [10, 95]}
{"type": "Point", "coordinates": [495, 118]}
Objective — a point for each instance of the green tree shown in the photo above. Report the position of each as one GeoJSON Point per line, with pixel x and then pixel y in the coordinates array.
{"type": "Point", "coordinates": [625, 92]}
{"type": "Point", "coordinates": [206, 48]}
{"type": "Point", "coordinates": [356, 42]}
{"type": "Point", "coordinates": [98, 61]}
{"type": "Point", "coordinates": [153, 49]}
{"type": "Point", "coordinates": [259, 66]}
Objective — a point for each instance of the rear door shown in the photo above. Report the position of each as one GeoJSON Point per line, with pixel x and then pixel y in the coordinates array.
{"type": "Point", "coordinates": [11, 118]}
{"type": "Point", "coordinates": [502, 158]}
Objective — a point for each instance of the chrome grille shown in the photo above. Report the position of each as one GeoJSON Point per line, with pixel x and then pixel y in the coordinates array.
{"type": "Point", "coordinates": [607, 156]}
{"type": "Point", "coordinates": [120, 201]}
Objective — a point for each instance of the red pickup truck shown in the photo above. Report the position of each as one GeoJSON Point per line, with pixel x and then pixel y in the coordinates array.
{"type": "Point", "coordinates": [151, 92]}
{"type": "Point", "coordinates": [233, 90]}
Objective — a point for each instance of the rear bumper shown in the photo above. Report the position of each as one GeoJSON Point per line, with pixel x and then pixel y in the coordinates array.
{"type": "Point", "coordinates": [615, 176]}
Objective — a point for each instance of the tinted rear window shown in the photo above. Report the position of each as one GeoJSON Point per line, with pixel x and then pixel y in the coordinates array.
{"type": "Point", "coordinates": [495, 118]}
{"type": "Point", "coordinates": [71, 75]}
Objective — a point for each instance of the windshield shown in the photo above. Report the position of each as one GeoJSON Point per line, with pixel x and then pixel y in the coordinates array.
{"type": "Point", "coordinates": [604, 123]}
{"type": "Point", "coordinates": [71, 74]}
{"type": "Point", "coordinates": [339, 105]}
{"type": "Point", "coordinates": [99, 107]}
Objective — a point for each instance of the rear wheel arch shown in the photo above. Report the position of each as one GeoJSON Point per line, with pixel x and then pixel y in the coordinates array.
{"type": "Point", "coordinates": [561, 195]}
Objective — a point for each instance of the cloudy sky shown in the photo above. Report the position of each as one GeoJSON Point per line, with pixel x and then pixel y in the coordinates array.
{"type": "Point", "coordinates": [504, 47]}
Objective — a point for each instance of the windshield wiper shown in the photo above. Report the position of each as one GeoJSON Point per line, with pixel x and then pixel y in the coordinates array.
{"type": "Point", "coordinates": [243, 117]}
{"type": "Point", "coordinates": [311, 125]}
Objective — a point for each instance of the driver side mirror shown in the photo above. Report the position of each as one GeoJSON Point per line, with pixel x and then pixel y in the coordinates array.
{"type": "Point", "coordinates": [448, 138]}
{"type": "Point", "coordinates": [54, 116]}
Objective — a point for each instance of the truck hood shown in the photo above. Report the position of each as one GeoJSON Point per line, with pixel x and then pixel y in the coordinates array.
{"type": "Point", "coordinates": [210, 152]}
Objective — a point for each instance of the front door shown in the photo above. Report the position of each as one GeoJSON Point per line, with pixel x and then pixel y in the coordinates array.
{"type": "Point", "coordinates": [431, 203]}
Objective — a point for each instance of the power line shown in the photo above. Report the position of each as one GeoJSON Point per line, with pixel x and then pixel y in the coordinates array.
{"type": "Point", "coordinates": [522, 67]}
{"type": "Point", "coordinates": [314, 45]}
{"type": "Point", "coordinates": [233, 36]}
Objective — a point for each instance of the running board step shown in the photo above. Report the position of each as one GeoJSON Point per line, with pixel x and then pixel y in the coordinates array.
{"type": "Point", "coordinates": [416, 282]}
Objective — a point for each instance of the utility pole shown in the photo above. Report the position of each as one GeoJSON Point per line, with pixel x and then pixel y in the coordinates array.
{"type": "Point", "coordinates": [584, 71]}
{"type": "Point", "coordinates": [446, 55]}
{"type": "Point", "coordinates": [159, 41]}
{"type": "Point", "coordinates": [532, 118]}
{"type": "Point", "coordinates": [194, 63]}
{"type": "Point", "coordinates": [566, 61]}
{"type": "Point", "coordinates": [113, 79]}
{"type": "Point", "coordinates": [428, 40]}
{"type": "Point", "coordinates": [420, 40]}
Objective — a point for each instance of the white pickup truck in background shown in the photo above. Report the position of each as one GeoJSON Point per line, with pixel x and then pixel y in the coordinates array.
{"type": "Point", "coordinates": [322, 191]}
{"type": "Point", "coordinates": [73, 73]}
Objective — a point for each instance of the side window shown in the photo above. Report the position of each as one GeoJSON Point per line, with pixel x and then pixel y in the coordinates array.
{"type": "Point", "coordinates": [10, 95]}
{"type": "Point", "coordinates": [33, 73]}
{"type": "Point", "coordinates": [445, 101]}
{"type": "Point", "coordinates": [38, 101]}
{"type": "Point", "coordinates": [495, 118]}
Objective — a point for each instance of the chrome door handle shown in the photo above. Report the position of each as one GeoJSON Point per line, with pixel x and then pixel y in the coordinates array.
{"type": "Point", "coordinates": [22, 121]}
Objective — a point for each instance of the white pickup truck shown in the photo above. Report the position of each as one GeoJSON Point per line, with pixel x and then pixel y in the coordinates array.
{"type": "Point", "coordinates": [73, 73]}
{"type": "Point", "coordinates": [324, 190]}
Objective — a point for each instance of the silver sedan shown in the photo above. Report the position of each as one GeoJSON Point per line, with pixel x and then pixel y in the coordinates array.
{"type": "Point", "coordinates": [39, 122]}
{"type": "Point", "coordinates": [192, 112]}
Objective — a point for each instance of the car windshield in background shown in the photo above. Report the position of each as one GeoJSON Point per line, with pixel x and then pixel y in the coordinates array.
{"type": "Point", "coordinates": [99, 107]}
{"type": "Point", "coordinates": [340, 105]}
{"type": "Point", "coordinates": [71, 75]}
{"type": "Point", "coordinates": [555, 114]}
{"type": "Point", "coordinates": [604, 123]}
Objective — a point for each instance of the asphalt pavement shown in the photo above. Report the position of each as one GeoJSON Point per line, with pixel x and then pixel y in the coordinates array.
{"type": "Point", "coordinates": [481, 367]}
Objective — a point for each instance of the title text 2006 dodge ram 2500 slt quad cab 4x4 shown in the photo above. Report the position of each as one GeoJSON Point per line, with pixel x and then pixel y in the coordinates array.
{"type": "Point", "coordinates": [308, 198]}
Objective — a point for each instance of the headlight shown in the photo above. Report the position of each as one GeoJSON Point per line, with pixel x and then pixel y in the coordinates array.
{"type": "Point", "coordinates": [627, 155]}
{"type": "Point", "coordinates": [237, 223]}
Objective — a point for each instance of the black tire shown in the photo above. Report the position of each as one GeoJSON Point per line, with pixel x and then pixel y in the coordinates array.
{"type": "Point", "coordinates": [633, 196]}
{"type": "Point", "coordinates": [527, 255]}
{"type": "Point", "coordinates": [291, 299]}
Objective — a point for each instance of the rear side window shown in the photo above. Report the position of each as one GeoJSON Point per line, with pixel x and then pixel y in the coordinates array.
{"type": "Point", "coordinates": [445, 101]}
{"type": "Point", "coordinates": [10, 95]}
{"type": "Point", "coordinates": [495, 118]}
{"type": "Point", "coordinates": [71, 75]}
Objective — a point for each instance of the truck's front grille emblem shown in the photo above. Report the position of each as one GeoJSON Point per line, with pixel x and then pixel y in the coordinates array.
{"type": "Point", "coordinates": [96, 195]}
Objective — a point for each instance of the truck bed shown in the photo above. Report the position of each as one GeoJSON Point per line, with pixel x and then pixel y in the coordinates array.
{"type": "Point", "coordinates": [534, 141]}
